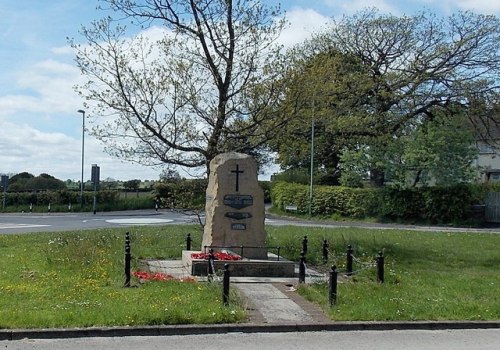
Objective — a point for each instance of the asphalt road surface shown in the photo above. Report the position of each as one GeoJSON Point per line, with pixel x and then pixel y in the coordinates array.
{"type": "Point", "coordinates": [52, 222]}
{"type": "Point", "coordinates": [34, 222]}
{"type": "Point", "coordinates": [488, 339]}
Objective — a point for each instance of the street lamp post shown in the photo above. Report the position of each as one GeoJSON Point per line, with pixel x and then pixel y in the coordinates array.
{"type": "Point", "coordinates": [312, 163]}
{"type": "Point", "coordinates": [83, 154]}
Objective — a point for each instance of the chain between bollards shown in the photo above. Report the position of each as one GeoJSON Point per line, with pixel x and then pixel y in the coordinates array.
{"type": "Point", "coordinates": [302, 268]}
{"type": "Point", "coordinates": [225, 285]}
{"type": "Point", "coordinates": [128, 258]}
{"type": "Point", "coordinates": [332, 286]}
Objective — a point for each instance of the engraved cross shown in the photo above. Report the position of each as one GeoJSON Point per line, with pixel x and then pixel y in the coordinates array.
{"type": "Point", "coordinates": [237, 172]}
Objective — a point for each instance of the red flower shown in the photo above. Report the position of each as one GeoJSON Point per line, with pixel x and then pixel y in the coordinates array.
{"type": "Point", "coordinates": [218, 256]}
{"type": "Point", "coordinates": [157, 276]}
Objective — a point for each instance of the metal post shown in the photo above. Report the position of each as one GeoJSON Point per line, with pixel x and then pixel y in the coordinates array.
{"type": "Point", "coordinates": [94, 206]}
{"type": "Point", "coordinates": [48, 208]}
{"type": "Point", "coordinates": [225, 285]}
{"type": "Point", "coordinates": [210, 267]}
{"type": "Point", "coordinates": [312, 163]}
{"type": "Point", "coordinates": [332, 286]}
{"type": "Point", "coordinates": [128, 258]}
{"type": "Point", "coordinates": [83, 154]}
{"type": "Point", "coordinates": [304, 245]}
{"type": "Point", "coordinates": [188, 241]}
{"type": "Point", "coordinates": [349, 260]}
{"type": "Point", "coordinates": [380, 267]}
{"type": "Point", "coordinates": [302, 268]}
{"type": "Point", "coordinates": [325, 251]}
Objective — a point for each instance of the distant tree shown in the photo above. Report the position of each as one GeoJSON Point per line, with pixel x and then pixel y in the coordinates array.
{"type": "Point", "coordinates": [170, 175]}
{"type": "Point", "coordinates": [441, 151]}
{"type": "Point", "coordinates": [18, 181]}
{"type": "Point", "coordinates": [132, 184]}
{"type": "Point", "coordinates": [108, 183]}
{"type": "Point", "coordinates": [45, 182]}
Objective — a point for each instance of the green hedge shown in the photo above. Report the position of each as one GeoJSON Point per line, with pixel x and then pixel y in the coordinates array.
{"type": "Point", "coordinates": [327, 200]}
{"type": "Point", "coordinates": [428, 204]}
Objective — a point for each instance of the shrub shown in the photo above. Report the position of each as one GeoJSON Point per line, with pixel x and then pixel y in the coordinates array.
{"type": "Point", "coordinates": [426, 204]}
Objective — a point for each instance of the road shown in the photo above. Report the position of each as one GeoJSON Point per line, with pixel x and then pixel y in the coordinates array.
{"type": "Point", "coordinates": [488, 339]}
{"type": "Point", "coordinates": [34, 222]}
{"type": "Point", "coordinates": [52, 222]}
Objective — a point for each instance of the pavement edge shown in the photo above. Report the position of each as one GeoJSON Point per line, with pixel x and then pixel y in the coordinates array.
{"type": "Point", "coordinates": [18, 334]}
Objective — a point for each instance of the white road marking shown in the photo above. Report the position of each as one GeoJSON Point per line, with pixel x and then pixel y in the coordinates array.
{"type": "Point", "coordinates": [139, 221]}
{"type": "Point", "coordinates": [20, 226]}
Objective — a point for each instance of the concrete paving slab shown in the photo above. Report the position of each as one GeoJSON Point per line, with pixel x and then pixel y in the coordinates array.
{"type": "Point", "coordinates": [274, 306]}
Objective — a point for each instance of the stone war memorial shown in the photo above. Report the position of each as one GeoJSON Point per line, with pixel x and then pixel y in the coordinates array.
{"type": "Point", "coordinates": [235, 217]}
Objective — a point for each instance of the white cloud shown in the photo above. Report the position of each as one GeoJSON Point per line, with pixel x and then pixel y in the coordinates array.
{"type": "Point", "coordinates": [482, 6]}
{"type": "Point", "coordinates": [302, 24]}
{"type": "Point", "coordinates": [350, 7]}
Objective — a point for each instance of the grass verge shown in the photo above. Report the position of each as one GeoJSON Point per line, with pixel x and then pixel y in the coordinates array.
{"type": "Point", "coordinates": [75, 279]}
{"type": "Point", "coordinates": [428, 275]}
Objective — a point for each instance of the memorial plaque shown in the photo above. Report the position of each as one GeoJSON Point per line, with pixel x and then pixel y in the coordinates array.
{"type": "Point", "coordinates": [238, 201]}
{"type": "Point", "coordinates": [238, 215]}
{"type": "Point", "coordinates": [238, 226]}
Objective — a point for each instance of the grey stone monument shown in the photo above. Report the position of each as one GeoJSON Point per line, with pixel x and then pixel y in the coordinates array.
{"type": "Point", "coordinates": [235, 207]}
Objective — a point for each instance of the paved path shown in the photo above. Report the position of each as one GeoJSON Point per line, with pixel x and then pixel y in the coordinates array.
{"type": "Point", "coordinates": [268, 300]}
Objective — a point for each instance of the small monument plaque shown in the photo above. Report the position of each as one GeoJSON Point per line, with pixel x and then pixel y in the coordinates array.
{"type": "Point", "coordinates": [235, 206]}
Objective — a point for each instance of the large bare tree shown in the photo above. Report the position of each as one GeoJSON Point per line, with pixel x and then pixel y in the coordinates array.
{"type": "Point", "coordinates": [196, 81]}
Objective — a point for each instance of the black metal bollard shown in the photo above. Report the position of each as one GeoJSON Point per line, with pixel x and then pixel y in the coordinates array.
{"type": "Point", "coordinates": [349, 260]}
{"type": "Point", "coordinates": [225, 285]}
{"type": "Point", "coordinates": [188, 241]}
{"type": "Point", "coordinates": [128, 258]}
{"type": "Point", "coordinates": [304, 245]}
{"type": "Point", "coordinates": [210, 267]}
{"type": "Point", "coordinates": [380, 267]}
{"type": "Point", "coordinates": [332, 286]}
{"type": "Point", "coordinates": [302, 268]}
{"type": "Point", "coordinates": [325, 251]}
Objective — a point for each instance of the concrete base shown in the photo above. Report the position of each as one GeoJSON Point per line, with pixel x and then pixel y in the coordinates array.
{"type": "Point", "coordinates": [241, 268]}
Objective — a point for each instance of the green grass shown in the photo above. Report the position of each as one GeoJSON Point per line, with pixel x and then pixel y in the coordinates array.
{"type": "Point", "coordinates": [75, 279]}
{"type": "Point", "coordinates": [429, 275]}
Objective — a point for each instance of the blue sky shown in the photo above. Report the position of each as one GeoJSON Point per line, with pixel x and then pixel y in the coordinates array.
{"type": "Point", "coordinates": [40, 129]}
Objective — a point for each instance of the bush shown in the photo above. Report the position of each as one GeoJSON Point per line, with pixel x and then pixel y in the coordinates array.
{"type": "Point", "coordinates": [187, 194]}
{"type": "Point", "coordinates": [426, 204]}
{"type": "Point", "coordinates": [326, 200]}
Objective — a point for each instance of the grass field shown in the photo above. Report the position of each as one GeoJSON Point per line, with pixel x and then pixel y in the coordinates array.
{"type": "Point", "coordinates": [75, 279]}
{"type": "Point", "coordinates": [428, 275]}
